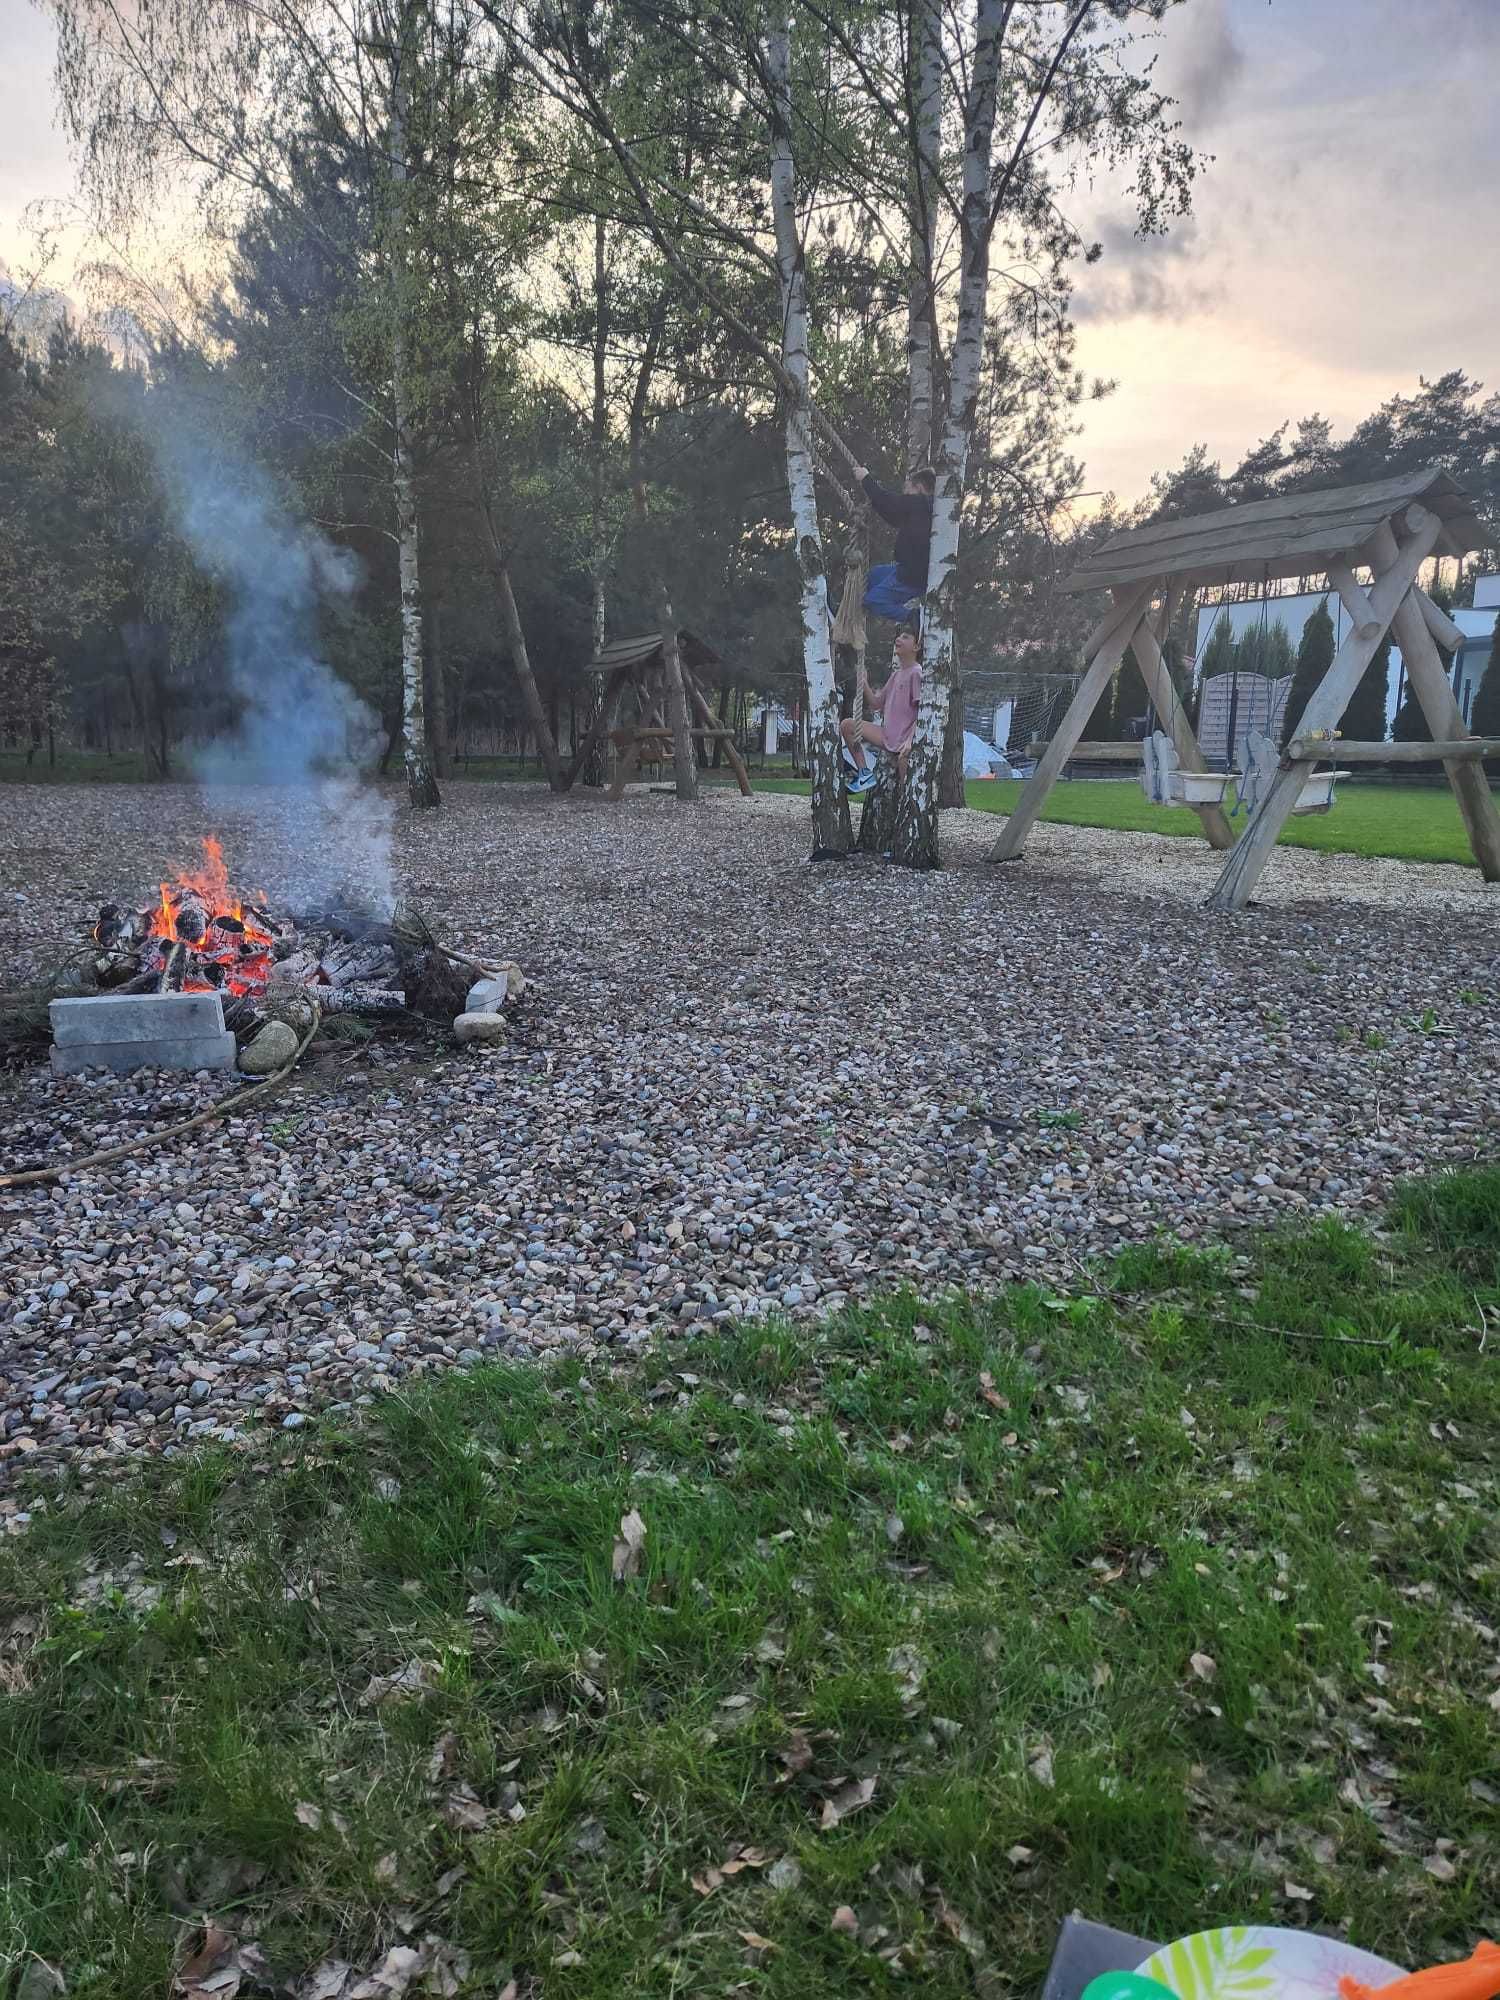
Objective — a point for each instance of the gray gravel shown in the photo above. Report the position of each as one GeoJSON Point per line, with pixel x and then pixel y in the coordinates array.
{"type": "Point", "coordinates": [737, 1084]}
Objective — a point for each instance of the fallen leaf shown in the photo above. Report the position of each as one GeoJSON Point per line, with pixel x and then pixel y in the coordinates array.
{"type": "Point", "coordinates": [1486, 1793]}
{"type": "Point", "coordinates": [1104, 1673]}
{"type": "Point", "coordinates": [464, 1811]}
{"type": "Point", "coordinates": [328, 1981]}
{"type": "Point", "coordinates": [509, 1991]}
{"type": "Point", "coordinates": [1018, 1856]}
{"type": "Point", "coordinates": [211, 1962]}
{"type": "Point", "coordinates": [785, 1873]}
{"type": "Point", "coordinates": [40, 1981]}
{"type": "Point", "coordinates": [1204, 1665]}
{"type": "Point", "coordinates": [1039, 1764]}
{"type": "Point", "coordinates": [449, 1880]}
{"type": "Point", "coordinates": [736, 1701]}
{"type": "Point", "coordinates": [385, 1869]}
{"type": "Point", "coordinates": [1325, 1851]}
{"type": "Point", "coordinates": [626, 1561]}
{"type": "Point", "coordinates": [1440, 1868]}
{"type": "Point", "coordinates": [444, 1759]}
{"type": "Point", "coordinates": [989, 1393]}
{"type": "Point", "coordinates": [307, 1815]}
{"type": "Point", "coordinates": [758, 1943]}
{"type": "Point", "coordinates": [770, 1649]}
{"type": "Point", "coordinates": [849, 1798]}
{"type": "Point", "coordinates": [490, 1604]}
{"type": "Point", "coordinates": [387, 1488]}
{"type": "Point", "coordinates": [844, 1919]}
{"type": "Point", "coordinates": [1295, 1893]}
{"type": "Point", "coordinates": [575, 1957]}
{"type": "Point", "coordinates": [709, 1880]}
{"type": "Point", "coordinates": [412, 1679]}
{"type": "Point", "coordinates": [798, 1754]}
{"type": "Point", "coordinates": [395, 1973]}
{"type": "Point", "coordinates": [895, 1528]}
{"type": "Point", "coordinates": [591, 1837]}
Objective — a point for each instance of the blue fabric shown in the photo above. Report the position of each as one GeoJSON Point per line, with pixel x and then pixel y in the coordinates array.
{"type": "Point", "coordinates": [888, 597]}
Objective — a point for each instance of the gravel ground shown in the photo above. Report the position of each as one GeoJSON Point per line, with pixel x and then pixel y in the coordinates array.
{"type": "Point", "coordinates": [738, 1083]}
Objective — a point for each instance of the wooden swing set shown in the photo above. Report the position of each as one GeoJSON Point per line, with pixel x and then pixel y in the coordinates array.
{"type": "Point", "coordinates": [1390, 528]}
{"type": "Point", "coordinates": [638, 667]}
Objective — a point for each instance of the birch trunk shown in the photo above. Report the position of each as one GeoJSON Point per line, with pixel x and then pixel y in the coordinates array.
{"type": "Point", "coordinates": [421, 783]}
{"type": "Point", "coordinates": [830, 805]}
{"type": "Point", "coordinates": [921, 342]}
{"type": "Point", "coordinates": [916, 841]}
{"type": "Point", "coordinates": [596, 765]}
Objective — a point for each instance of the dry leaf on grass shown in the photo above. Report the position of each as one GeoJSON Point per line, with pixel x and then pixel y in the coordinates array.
{"type": "Point", "coordinates": [1295, 1893]}
{"type": "Point", "coordinates": [219, 1966]}
{"type": "Point", "coordinates": [845, 1921]}
{"type": "Point", "coordinates": [310, 1816]}
{"type": "Point", "coordinates": [626, 1561]}
{"type": "Point", "coordinates": [989, 1393]}
{"type": "Point", "coordinates": [328, 1981]}
{"type": "Point", "coordinates": [707, 1881]}
{"type": "Point", "coordinates": [785, 1873]}
{"type": "Point", "coordinates": [1204, 1665]}
{"type": "Point", "coordinates": [849, 1798]}
{"type": "Point", "coordinates": [444, 1759]}
{"type": "Point", "coordinates": [40, 1981]}
{"type": "Point", "coordinates": [464, 1811]}
{"type": "Point", "coordinates": [1018, 1856]}
{"type": "Point", "coordinates": [412, 1679]}
{"type": "Point", "coordinates": [798, 1754]}
{"type": "Point", "coordinates": [1039, 1764]}
{"type": "Point", "coordinates": [758, 1943]}
{"type": "Point", "coordinates": [1440, 1868]}
{"type": "Point", "coordinates": [895, 1528]}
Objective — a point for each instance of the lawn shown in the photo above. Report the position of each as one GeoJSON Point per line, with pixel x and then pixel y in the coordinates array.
{"type": "Point", "coordinates": [796, 1663]}
{"type": "Point", "coordinates": [1397, 822]}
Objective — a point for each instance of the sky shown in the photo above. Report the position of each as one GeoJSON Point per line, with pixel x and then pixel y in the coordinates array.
{"type": "Point", "coordinates": [1345, 237]}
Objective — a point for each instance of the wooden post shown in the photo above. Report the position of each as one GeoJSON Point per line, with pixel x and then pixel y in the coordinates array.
{"type": "Point", "coordinates": [1445, 719]}
{"type": "Point", "coordinates": [1106, 649]}
{"type": "Point", "coordinates": [706, 717]}
{"type": "Point", "coordinates": [1329, 700]}
{"type": "Point", "coordinates": [1159, 685]}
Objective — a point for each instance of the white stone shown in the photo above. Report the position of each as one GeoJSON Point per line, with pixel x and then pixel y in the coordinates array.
{"type": "Point", "coordinates": [272, 1049]}
{"type": "Point", "coordinates": [478, 1026]}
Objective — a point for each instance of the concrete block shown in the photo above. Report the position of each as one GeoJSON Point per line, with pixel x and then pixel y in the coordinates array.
{"type": "Point", "coordinates": [187, 1052]}
{"type": "Point", "coordinates": [135, 1017]}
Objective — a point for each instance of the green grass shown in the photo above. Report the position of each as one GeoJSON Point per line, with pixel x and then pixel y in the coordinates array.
{"type": "Point", "coordinates": [964, 1553]}
{"type": "Point", "coordinates": [74, 767]}
{"type": "Point", "coordinates": [1397, 822]}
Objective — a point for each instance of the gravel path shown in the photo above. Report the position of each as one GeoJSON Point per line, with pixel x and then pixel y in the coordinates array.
{"type": "Point", "coordinates": [738, 1083]}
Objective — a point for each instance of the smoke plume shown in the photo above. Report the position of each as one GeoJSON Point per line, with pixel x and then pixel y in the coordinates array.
{"type": "Point", "coordinates": [302, 734]}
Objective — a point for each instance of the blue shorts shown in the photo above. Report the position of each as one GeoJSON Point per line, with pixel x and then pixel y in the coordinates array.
{"type": "Point", "coordinates": [888, 597]}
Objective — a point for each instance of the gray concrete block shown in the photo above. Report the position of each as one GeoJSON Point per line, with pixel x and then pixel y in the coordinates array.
{"type": "Point", "coordinates": [167, 1052]}
{"type": "Point", "coordinates": [135, 1017]}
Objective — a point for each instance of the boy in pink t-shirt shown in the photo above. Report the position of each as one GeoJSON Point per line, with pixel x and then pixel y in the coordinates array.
{"type": "Point", "coordinates": [896, 705]}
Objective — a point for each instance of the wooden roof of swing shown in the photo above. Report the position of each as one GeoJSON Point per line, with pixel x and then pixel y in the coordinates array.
{"type": "Point", "coordinates": [645, 651]}
{"type": "Point", "coordinates": [1296, 534]}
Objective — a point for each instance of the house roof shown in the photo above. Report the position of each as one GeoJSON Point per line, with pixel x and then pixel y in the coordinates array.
{"type": "Point", "coordinates": [645, 651]}
{"type": "Point", "coordinates": [1296, 534]}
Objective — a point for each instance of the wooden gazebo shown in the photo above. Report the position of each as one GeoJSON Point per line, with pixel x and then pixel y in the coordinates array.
{"type": "Point", "coordinates": [638, 665]}
{"type": "Point", "coordinates": [1389, 528]}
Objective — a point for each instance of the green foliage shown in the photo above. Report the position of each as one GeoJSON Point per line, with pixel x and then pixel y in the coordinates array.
{"type": "Point", "coordinates": [962, 1614]}
{"type": "Point", "coordinates": [1365, 717]}
{"type": "Point", "coordinates": [1315, 652]}
{"type": "Point", "coordinates": [1219, 653]}
{"type": "Point", "coordinates": [1485, 717]}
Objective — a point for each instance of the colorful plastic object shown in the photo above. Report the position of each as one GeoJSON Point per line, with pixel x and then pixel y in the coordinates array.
{"type": "Point", "coordinates": [1476, 1977]}
{"type": "Point", "coordinates": [1264, 1962]}
{"type": "Point", "coordinates": [1125, 1986]}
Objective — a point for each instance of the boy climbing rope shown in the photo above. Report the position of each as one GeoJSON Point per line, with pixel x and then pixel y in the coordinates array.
{"type": "Point", "coordinates": [896, 705]}
{"type": "Point", "coordinates": [894, 589]}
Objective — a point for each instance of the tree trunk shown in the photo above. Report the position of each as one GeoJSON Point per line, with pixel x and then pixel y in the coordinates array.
{"type": "Point", "coordinates": [437, 695]}
{"type": "Point", "coordinates": [596, 768]}
{"type": "Point", "coordinates": [520, 659]}
{"type": "Point", "coordinates": [951, 778]}
{"type": "Point", "coordinates": [916, 841]}
{"type": "Point", "coordinates": [921, 336]}
{"type": "Point", "coordinates": [684, 764]}
{"type": "Point", "coordinates": [830, 804]}
{"type": "Point", "coordinates": [421, 784]}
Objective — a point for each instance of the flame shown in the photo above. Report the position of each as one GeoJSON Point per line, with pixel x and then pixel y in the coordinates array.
{"type": "Point", "coordinates": [244, 954]}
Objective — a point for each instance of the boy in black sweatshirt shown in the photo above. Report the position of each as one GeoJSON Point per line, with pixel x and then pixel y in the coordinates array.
{"type": "Point", "coordinates": [893, 590]}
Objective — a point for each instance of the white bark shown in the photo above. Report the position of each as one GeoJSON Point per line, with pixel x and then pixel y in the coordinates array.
{"type": "Point", "coordinates": [831, 832]}
{"type": "Point", "coordinates": [927, 53]}
{"type": "Point", "coordinates": [916, 841]}
{"type": "Point", "coordinates": [421, 783]}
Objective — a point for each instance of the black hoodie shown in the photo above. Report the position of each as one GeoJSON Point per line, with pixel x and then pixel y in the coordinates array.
{"type": "Point", "coordinates": [910, 514]}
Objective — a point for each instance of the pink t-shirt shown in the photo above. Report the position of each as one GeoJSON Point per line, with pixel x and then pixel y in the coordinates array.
{"type": "Point", "coordinates": [899, 707]}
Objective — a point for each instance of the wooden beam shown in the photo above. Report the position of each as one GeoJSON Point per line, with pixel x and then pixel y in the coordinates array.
{"type": "Point", "coordinates": [714, 730]}
{"type": "Point", "coordinates": [1445, 719]}
{"type": "Point", "coordinates": [1461, 749]}
{"type": "Point", "coordinates": [1355, 601]}
{"type": "Point", "coordinates": [1437, 621]}
{"type": "Point", "coordinates": [1093, 750]}
{"type": "Point", "coordinates": [1173, 717]}
{"type": "Point", "coordinates": [1324, 711]}
{"type": "Point", "coordinates": [609, 701]}
{"type": "Point", "coordinates": [1111, 650]}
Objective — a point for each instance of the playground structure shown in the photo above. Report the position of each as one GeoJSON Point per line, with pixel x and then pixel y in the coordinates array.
{"type": "Point", "coordinates": [1390, 528]}
{"type": "Point", "coordinates": [637, 667]}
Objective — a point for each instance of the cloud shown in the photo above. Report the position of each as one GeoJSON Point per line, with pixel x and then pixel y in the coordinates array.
{"type": "Point", "coordinates": [1202, 63]}
{"type": "Point", "coordinates": [1145, 277]}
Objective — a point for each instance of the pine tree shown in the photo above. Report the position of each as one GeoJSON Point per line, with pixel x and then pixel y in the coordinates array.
{"type": "Point", "coordinates": [1364, 718]}
{"type": "Point", "coordinates": [1314, 657]}
{"type": "Point", "coordinates": [1411, 724]}
{"type": "Point", "coordinates": [1218, 654]}
{"type": "Point", "coordinates": [1485, 720]}
{"type": "Point", "coordinates": [1131, 699]}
